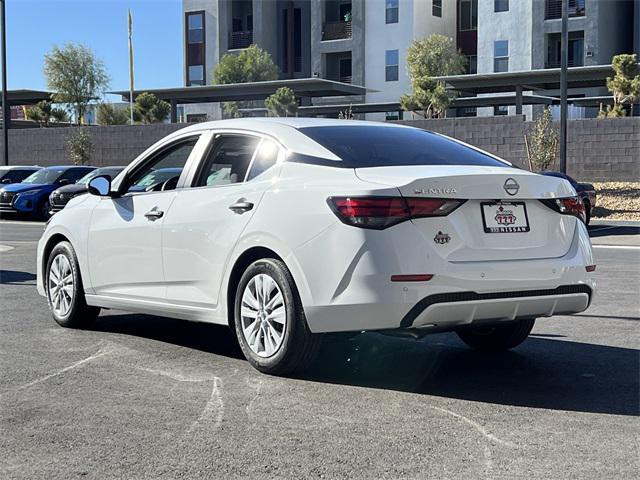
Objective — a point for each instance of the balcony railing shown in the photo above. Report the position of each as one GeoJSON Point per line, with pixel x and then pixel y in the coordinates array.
{"type": "Point", "coordinates": [553, 9]}
{"type": "Point", "coordinates": [556, 63]}
{"type": "Point", "coordinates": [241, 39]}
{"type": "Point", "coordinates": [336, 30]}
{"type": "Point", "coordinates": [343, 79]}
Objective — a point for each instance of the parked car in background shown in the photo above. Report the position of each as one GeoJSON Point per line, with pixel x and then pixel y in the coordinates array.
{"type": "Point", "coordinates": [585, 191]}
{"type": "Point", "coordinates": [288, 228]}
{"type": "Point", "coordinates": [15, 173]}
{"type": "Point", "coordinates": [61, 196]}
{"type": "Point", "coordinates": [31, 196]}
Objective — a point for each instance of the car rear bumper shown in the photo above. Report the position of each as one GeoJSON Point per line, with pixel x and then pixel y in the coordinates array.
{"type": "Point", "coordinates": [458, 294]}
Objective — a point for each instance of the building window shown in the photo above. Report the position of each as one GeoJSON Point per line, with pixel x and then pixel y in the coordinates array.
{"type": "Point", "coordinates": [391, 116]}
{"type": "Point", "coordinates": [501, 56]}
{"type": "Point", "coordinates": [576, 50]}
{"type": "Point", "coordinates": [472, 64]}
{"type": "Point", "coordinates": [436, 8]}
{"type": "Point", "coordinates": [500, 110]}
{"type": "Point", "coordinates": [195, 27]}
{"type": "Point", "coordinates": [466, 112]}
{"type": "Point", "coordinates": [391, 11]}
{"type": "Point", "coordinates": [501, 5]}
{"type": "Point", "coordinates": [553, 9]}
{"type": "Point", "coordinates": [468, 15]}
{"type": "Point", "coordinates": [391, 65]}
{"type": "Point", "coordinates": [195, 48]}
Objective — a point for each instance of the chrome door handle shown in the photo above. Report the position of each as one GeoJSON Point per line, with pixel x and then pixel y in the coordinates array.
{"type": "Point", "coordinates": [154, 214]}
{"type": "Point", "coordinates": [241, 207]}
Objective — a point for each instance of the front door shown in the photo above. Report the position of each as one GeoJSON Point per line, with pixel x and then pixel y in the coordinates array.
{"type": "Point", "coordinates": [206, 220]}
{"type": "Point", "coordinates": [124, 244]}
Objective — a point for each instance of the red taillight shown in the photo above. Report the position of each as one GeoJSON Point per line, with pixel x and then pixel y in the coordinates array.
{"type": "Point", "coordinates": [567, 206]}
{"type": "Point", "coordinates": [383, 212]}
{"type": "Point", "coordinates": [590, 268]}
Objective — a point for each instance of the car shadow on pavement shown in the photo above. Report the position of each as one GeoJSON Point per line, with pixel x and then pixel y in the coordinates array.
{"type": "Point", "coordinates": [216, 339]}
{"type": "Point", "coordinates": [612, 230]}
{"type": "Point", "coordinates": [15, 277]}
{"type": "Point", "coordinates": [546, 371]}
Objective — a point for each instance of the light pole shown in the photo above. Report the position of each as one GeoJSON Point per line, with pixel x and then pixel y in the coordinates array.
{"type": "Point", "coordinates": [6, 111]}
{"type": "Point", "coordinates": [564, 61]}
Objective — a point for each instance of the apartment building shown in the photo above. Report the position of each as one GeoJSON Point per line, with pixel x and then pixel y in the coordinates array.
{"type": "Point", "coordinates": [515, 35]}
{"type": "Point", "coordinates": [365, 42]}
{"type": "Point", "coordinates": [352, 41]}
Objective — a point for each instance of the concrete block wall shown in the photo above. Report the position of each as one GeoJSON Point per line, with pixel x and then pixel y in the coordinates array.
{"type": "Point", "coordinates": [598, 149]}
{"type": "Point", "coordinates": [112, 145]}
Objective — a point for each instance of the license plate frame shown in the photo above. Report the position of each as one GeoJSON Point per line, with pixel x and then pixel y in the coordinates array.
{"type": "Point", "coordinates": [505, 228]}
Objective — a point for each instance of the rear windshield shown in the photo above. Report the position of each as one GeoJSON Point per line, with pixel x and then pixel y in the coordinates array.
{"type": "Point", "coordinates": [378, 146]}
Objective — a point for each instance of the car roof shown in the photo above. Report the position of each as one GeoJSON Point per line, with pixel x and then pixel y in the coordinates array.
{"type": "Point", "coordinates": [16, 167]}
{"type": "Point", "coordinates": [68, 167]}
{"type": "Point", "coordinates": [286, 130]}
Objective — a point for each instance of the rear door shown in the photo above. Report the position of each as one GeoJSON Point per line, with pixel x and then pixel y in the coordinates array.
{"type": "Point", "coordinates": [206, 220]}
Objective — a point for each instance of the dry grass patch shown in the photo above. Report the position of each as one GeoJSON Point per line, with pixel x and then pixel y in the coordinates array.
{"type": "Point", "coordinates": [617, 200]}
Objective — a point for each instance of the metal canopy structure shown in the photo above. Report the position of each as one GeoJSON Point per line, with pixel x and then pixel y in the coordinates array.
{"type": "Point", "coordinates": [27, 97]}
{"type": "Point", "coordinates": [233, 92]}
{"type": "Point", "coordinates": [383, 107]}
{"type": "Point", "coordinates": [546, 79]}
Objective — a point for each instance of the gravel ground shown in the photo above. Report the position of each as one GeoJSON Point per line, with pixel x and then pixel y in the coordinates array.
{"type": "Point", "coordinates": [618, 200]}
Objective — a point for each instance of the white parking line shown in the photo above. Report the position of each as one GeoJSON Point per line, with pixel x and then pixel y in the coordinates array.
{"type": "Point", "coordinates": [619, 247]}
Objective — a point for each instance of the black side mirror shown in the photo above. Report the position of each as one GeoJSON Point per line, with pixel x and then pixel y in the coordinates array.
{"type": "Point", "coordinates": [100, 186]}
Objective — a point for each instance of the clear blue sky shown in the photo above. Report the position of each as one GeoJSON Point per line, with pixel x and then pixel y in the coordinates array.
{"type": "Point", "coordinates": [35, 26]}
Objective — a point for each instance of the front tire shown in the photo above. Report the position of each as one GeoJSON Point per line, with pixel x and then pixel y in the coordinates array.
{"type": "Point", "coordinates": [269, 320]}
{"type": "Point", "coordinates": [65, 293]}
{"type": "Point", "coordinates": [497, 338]}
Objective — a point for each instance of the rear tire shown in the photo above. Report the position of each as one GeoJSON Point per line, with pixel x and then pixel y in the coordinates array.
{"type": "Point", "coordinates": [269, 320]}
{"type": "Point", "coordinates": [587, 213]}
{"type": "Point", "coordinates": [497, 338]}
{"type": "Point", "coordinates": [65, 293]}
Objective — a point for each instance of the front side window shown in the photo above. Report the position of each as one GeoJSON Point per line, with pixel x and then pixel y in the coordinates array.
{"type": "Point", "coordinates": [468, 17]}
{"type": "Point", "coordinates": [501, 5]}
{"type": "Point", "coordinates": [391, 11]}
{"type": "Point", "coordinates": [228, 160]}
{"type": "Point", "coordinates": [436, 8]}
{"type": "Point", "coordinates": [74, 174]}
{"type": "Point", "coordinates": [163, 170]}
{"type": "Point", "coordinates": [380, 146]}
{"type": "Point", "coordinates": [391, 65]}
{"type": "Point", "coordinates": [501, 56]}
{"type": "Point", "coordinates": [44, 176]}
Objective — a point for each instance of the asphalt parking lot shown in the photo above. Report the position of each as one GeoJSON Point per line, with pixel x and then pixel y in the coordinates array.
{"type": "Point", "coordinates": [149, 397]}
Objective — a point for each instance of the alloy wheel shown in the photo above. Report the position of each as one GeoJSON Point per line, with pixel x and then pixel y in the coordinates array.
{"type": "Point", "coordinates": [263, 315]}
{"type": "Point", "coordinates": [61, 288]}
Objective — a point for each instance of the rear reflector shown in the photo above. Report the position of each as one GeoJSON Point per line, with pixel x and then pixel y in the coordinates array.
{"type": "Point", "coordinates": [590, 268]}
{"type": "Point", "coordinates": [383, 212]}
{"type": "Point", "coordinates": [411, 278]}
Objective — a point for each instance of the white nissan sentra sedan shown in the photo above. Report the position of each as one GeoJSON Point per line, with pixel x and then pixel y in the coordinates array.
{"type": "Point", "coordinates": [285, 229]}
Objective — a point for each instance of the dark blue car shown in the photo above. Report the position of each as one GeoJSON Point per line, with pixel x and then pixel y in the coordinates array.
{"type": "Point", "coordinates": [31, 196]}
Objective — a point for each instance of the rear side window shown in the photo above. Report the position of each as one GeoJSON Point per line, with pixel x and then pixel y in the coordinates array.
{"type": "Point", "coordinates": [380, 146]}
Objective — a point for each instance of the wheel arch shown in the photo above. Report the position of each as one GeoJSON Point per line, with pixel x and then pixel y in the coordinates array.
{"type": "Point", "coordinates": [245, 259]}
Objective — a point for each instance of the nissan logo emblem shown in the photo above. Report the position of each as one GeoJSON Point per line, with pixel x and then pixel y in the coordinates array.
{"type": "Point", "coordinates": [511, 186]}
